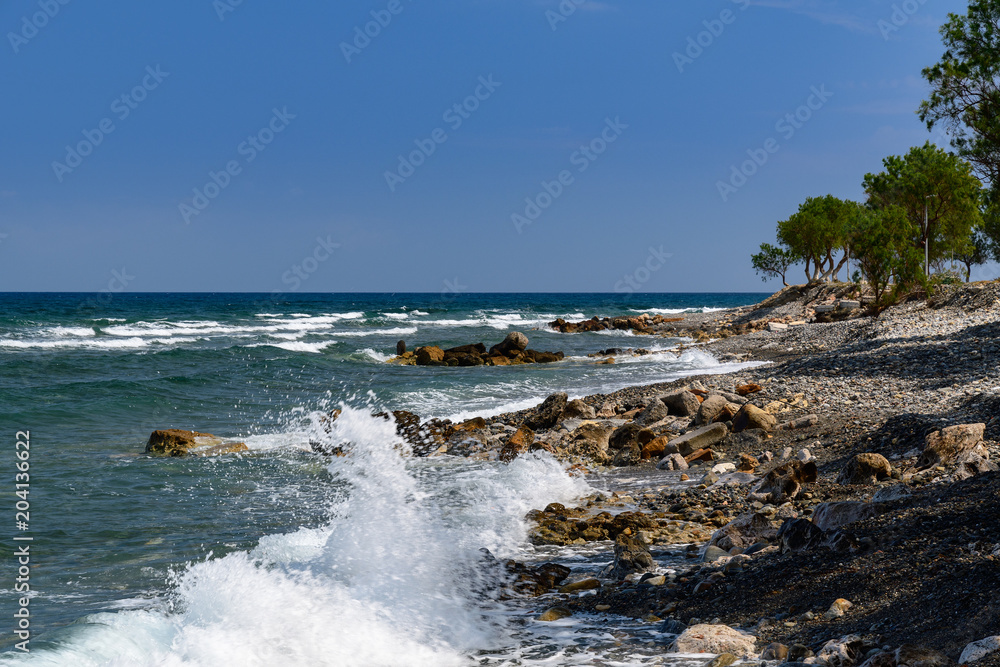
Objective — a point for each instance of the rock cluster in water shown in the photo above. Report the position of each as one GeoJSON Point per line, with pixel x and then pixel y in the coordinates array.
{"type": "Point", "coordinates": [512, 351]}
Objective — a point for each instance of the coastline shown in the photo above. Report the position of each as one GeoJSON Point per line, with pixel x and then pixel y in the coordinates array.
{"type": "Point", "coordinates": [915, 548]}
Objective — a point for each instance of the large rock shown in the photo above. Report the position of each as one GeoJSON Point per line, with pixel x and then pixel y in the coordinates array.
{"type": "Point", "coordinates": [944, 447]}
{"type": "Point", "coordinates": [710, 409]}
{"type": "Point", "coordinates": [785, 482]}
{"type": "Point", "coordinates": [630, 435]}
{"type": "Point", "coordinates": [518, 443]}
{"type": "Point", "coordinates": [654, 411]}
{"type": "Point", "coordinates": [831, 516]}
{"type": "Point", "coordinates": [750, 416]}
{"type": "Point", "coordinates": [978, 650]}
{"type": "Point", "coordinates": [716, 639]}
{"type": "Point", "coordinates": [577, 409]}
{"type": "Point", "coordinates": [547, 413]}
{"type": "Point", "coordinates": [843, 652]}
{"type": "Point", "coordinates": [744, 531]}
{"type": "Point", "coordinates": [429, 355]}
{"type": "Point", "coordinates": [514, 342]}
{"type": "Point", "coordinates": [682, 403]}
{"type": "Point", "coordinates": [631, 555]}
{"type": "Point", "coordinates": [590, 441]}
{"type": "Point", "coordinates": [178, 442]}
{"type": "Point", "coordinates": [865, 468]}
{"type": "Point", "coordinates": [672, 462]}
{"type": "Point", "coordinates": [700, 438]}
{"type": "Point", "coordinates": [909, 655]}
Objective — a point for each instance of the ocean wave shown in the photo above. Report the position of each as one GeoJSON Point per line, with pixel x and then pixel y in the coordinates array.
{"type": "Point", "coordinates": [299, 346]}
{"type": "Point", "coordinates": [676, 311]}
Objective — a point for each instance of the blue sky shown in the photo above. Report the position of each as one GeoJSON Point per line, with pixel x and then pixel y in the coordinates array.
{"type": "Point", "coordinates": [261, 146]}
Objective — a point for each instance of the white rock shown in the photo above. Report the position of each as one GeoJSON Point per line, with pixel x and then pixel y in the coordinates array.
{"type": "Point", "coordinates": [776, 326]}
{"type": "Point", "coordinates": [723, 468]}
{"type": "Point", "coordinates": [704, 638]}
{"type": "Point", "coordinates": [980, 649]}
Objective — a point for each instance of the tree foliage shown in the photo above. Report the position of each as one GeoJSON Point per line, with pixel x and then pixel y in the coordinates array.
{"type": "Point", "coordinates": [774, 262]}
{"type": "Point", "coordinates": [817, 232]}
{"type": "Point", "coordinates": [882, 243]}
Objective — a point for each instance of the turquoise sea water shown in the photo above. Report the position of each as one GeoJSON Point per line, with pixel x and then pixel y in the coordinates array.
{"type": "Point", "coordinates": [143, 560]}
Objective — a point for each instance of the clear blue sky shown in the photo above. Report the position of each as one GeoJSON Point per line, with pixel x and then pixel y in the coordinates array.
{"type": "Point", "coordinates": [554, 83]}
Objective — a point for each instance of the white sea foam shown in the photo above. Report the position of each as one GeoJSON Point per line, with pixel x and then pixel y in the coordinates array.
{"type": "Point", "coordinates": [299, 346]}
{"type": "Point", "coordinates": [375, 354]}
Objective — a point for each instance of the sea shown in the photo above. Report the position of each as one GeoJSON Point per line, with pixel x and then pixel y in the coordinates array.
{"type": "Point", "coordinates": [279, 556]}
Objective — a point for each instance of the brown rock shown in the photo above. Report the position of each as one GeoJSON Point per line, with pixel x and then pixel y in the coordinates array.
{"type": "Point", "coordinates": [577, 409]}
{"type": "Point", "coordinates": [699, 455]}
{"type": "Point", "coordinates": [866, 468]}
{"type": "Point", "coordinates": [429, 354]}
{"type": "Point", "coordinates": [944, 447]}
{"type": "Point", "coordinates": [786, 481]}
{"type": "Point", "coordinates": [178, 442]}
{"type": "Point", "coordinates": [547, 413]}
{"type": "Point", "coordinates": [517, 444]}
{"type": "Point", "coordinates": [750, 416]}
{"type": "Point", "coordinates": [749, 388]}
{"type": "Point", "coordinates": [218, 450]}
{"type": "Point", "coordinates": [747, 463]}
{"type": "Point", "coordinates": [711, 408]}
{"type": "Point", "coordinates": [655, 448]}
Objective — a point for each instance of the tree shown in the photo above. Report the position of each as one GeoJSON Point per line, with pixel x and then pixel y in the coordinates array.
{"type": "Point", "coordinates": [965, 89]}
{"type": "Point", "coordinates": [977, 251]}
{"type": "Point", "coordinates": [773, 262]}
{"type": "Point", "coordinates": [817, 232]}
{"type": "Point", "coordinates": [944, 183]}
{"type": "Point", "coordinates": [882, 243]}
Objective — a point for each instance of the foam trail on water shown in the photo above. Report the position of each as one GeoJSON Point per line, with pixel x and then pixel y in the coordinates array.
{"type": "Point", "coordinates": [391, 580]}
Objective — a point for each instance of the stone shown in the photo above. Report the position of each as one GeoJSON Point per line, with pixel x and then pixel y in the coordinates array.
{"type": "Point", "coordinates": [630, 435]}
{"type": "Point", "coordinates": [547, 413]}
{"type": "Point", "coordinates": [526, 580]}
{"type": "Point", "coordinates": [700, 438]}
{"type": "Point", "coordinates": [743, 531]}
{"type": "Point", "coordinates": [590, 441]}
{"type": "Point", "coordinates": [588, 584]}
{"type": "Point", "coordinates": [577, 409]}
{"type": "Point", "coordinates": [865, 468]}
{"type": "Point", "coordinates": [801, 422]}
{"type": "Point", "coordinates": [831, 516]}
{"type": "Point", "coordinates": [400, 348]}
{"type": "Point", "coordinates": [705, 455]}
{"type": "Point", "coordinates": [631, 556]}
{"type": "Point", "coordinates": [910, 655]}
{"type": "Point", "coordinates": [978, 650]}
{"type": "Point", "coordinates": [722, 660]}
{"type": "Point", "coordinates": [657, 448]}
{"type": "Point", "coordinates": [554, 614]}
{"type": "Point", "coordinates": [837, 609]}
{"type": "Point", "coordinates": [888, 494]}
{"type": "Point", "coordinates": [672, 626]}
{"type": "Point", "coordinates": [842, 652]}
{"type": "Point", "coordinates": [774, 651]}
{"type": "Point", "coordinates": [608, 409]}
{"type": "Point", "coordinates": [219, 450]}
{"type": "Point", "coordinates": [971, 463]}
{"type": "Point", "coordinates": [710, 409]}
{"type": "Point", "coordinates": [514, 342]}
{"type": "Point", "coordinates": [654, 411]}
{"type": "Point", "coordinates": [747, 463]}
{"type": "Point", "coordinates": [748, 388]}
{"type": "Point", "coordinates": [787, 481]}
{"type": "Point", "coordinates": [750, 416]}
{"type": "Point", "coordinates": [672, 462]}
{"type": "Point", "coordinates": [518, 443]}
{"type": "Point", "coordinates": [776, 326]}
{"type": "Point", "coordinates": [627, 456]}
{"type": "Point", "coordinates": [799, 653]}
{"type": "Point", "coordinates": [723, 468]}
{"type": "Point", "coordinates": [717, 639]}
{"type": "Point", "coordinates": [880, 659]}
{"type": "Point", "coordinates": [803, 534]}
{"type": "Point", "coordinates": [943, 447]}
{"type": "Point", "coordinates": [682, 403]}
{"type": "Point", "coordinates": [429, 355]}
{"type": "Point", "coordinates": [713, 553]}
{"type": "Point", "coordinates": [178, 442]}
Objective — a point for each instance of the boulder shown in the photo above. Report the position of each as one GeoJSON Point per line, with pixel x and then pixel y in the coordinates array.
{"type": "Point", "coordinates": [590, 441]}
{"type": "Point", "coordinates": [630, 435]}
{"type": "Point", "coordinates": [710, 409]}
{"type": "Point", "coordinates": [700, 438]}
{"type": "Point", "coordinates": [716, 639]}
{"type": "Point", "coordinates": [978, 650]}
{"type": "Point", "coordinates": [837, 609]}
{"type": "Point", "coordinates": [555, 614]}
{"type": "Point", "coordinates": [774, 652]}
{"type": "Point", "coordinates": [577, 409]}
{"type": "Point", "coordinates": [400, 348]}
{"type": "Point", "coordinates": [631, 555]}
{"type": "Point", "coordinates": [865, 468]}
{"type": "Point", "coordinates": [799, 534]}
{"type": "Point", "coordinates": [943, 447]}
{"type": "Point", "coordinates": [654, 411]}
{"type": "Point", "coordinates": [630, 455]}
{"type": "Point", "coordinates": [518, 443]}
{"type": "Point", "coordinates": [657, 448]}
{"type": "Point", "coordinates": [178, 442]}
{"type": "Point", "coordinates": [682, 403]}
{"type": "Point", "coordinates": [514, 342]}
{"type": "Point", "coordinates": [750, 416]}
{"type": "Point", "coordinates": [971, 463]}
{"type": "Point", "coordinates": [672, 462]}
{"type": "Point", "coordinates": [785, 482]}
{"type": "Point", "coordinates": [831, 516]}
{"type": "Point", "coordinates": [843, 652]}
{"type": "Point", "coordinates": [429, 355]}
{"type": "Point", "coordinates": [909, 655]}
{"type": "Point", "coordinates": [547, 413]}
{"type": "Point", "coordinates": [743, 531]}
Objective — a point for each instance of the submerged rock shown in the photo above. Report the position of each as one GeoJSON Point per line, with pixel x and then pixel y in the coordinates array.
{"type": "Point", "coordinates": [178, 442]}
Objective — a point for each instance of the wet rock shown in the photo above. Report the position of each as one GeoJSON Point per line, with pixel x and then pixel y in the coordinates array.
{"type": "Point", "coordinates": [774, 651]}
{"type": "Point", "coordinates": [590, 441]}
{"type": "Point", "coordinates": [700, 438]}
{"type": "Point", "coordinates": [555, 614]}
{"type": "Point", "coordinates": [672, 462]}
{"type": "Point", "coordinates": [713, 553]}
{"type": "Point", "coordinates": [429, 355]}
{"type": "Point", "coordinates": [672, 626]}
{"type": "Point", "coordinates": [786, 481]}
{"type": "Point", "coordinates": [630, 455]}
{"type": "Point", "coordinates": [518, 443]}
{"type": "Point", "coordinates": [547, 413]}
{"type": "Point", "coordinates": [514, 342]}
{"type": "Point", "coordinates": [722, 660]}
{"type": "Point", "coordinates": [523, 579]}
{"type": "Point", "coordinates": [400, 348]}
{"type": "Point", "coordinates": [219, 450]}
{"type": "Point", "coordinates": [920, 656]}
{"type": "Point", "coordinates": [743, 532]}
{"type": "Point", "coordinates": [831, 516]}
{"type": "Point", "coordinates": [587, 584]}
{"type": "Point", "coordinates": [750, 416]}
{"type": "Point", "coordinates": [654, 411]}
{"type": "Point", "coordinates": [630, 435]}
{"type": "Point", "coordinates": [943, 447]}
{"type": "Point", "coordinates": [865, 468]}
{"type": "Point", "coordinates": [577, 409]}
{"type": "Point", "coordinates": [631, 555]}
{"type": "Point", "coordinates": [710, 409]}
{"type": "Point", "coordinates": [178, 442]}
{"type": "Point", "coordinates": [978, 650]}
{"type": "Point", "coordinates": [657, 448]}
{"type": "Point", "coordinates": [682, 403]}
{"type": "Point", "coordinates": [704, 638]}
